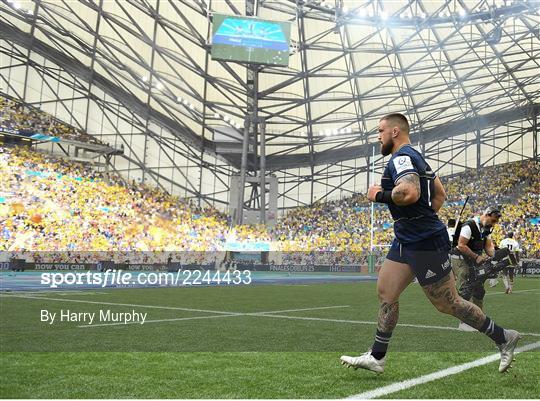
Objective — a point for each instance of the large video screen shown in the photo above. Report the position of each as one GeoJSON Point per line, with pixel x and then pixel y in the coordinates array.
{"type": "Point", "coordinates": [250, 40]}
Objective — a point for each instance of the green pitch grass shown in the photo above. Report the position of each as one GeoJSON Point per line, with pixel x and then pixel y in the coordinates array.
{"type": "Point", "coordinates": [224, 346]}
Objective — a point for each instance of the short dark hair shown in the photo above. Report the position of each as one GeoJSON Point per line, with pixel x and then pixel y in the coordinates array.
{"type": "Point", "coordinates": [398, 119]}
{"type": "Point", "coordinates": [510, 234]}
{"type": "Point", "coordinates": [493, 211]}
{"type": "Point", "coordinates": [451, 222]}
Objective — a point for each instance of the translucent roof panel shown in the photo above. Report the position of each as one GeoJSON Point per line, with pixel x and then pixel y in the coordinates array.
{"type": "Point", "coordinates": [437, 62]}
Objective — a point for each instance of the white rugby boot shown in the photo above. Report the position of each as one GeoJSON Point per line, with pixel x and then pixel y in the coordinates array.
{"type": "Point", "coordinates": [465, 327]}
{"type": "Point", "coordinates": [507, 349]}
{"type": "Point", "coordinates": [364, 361]}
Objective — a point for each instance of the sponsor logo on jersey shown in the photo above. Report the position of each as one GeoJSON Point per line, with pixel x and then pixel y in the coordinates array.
{"type": "Point", "coordinates": [403, 163]}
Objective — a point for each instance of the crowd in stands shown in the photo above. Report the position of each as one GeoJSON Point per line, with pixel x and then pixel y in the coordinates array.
{"type": "Point", "coordinates": [50, 203]}
{"type": "Point", "coordinates": [515, 187]}
{"type": "Point", "coordinates": [341, 229]}
{"type": "Point", "coordinates": [55, 204]}
{"type": "Point", "coordinates": [15, 116]}
{"type": "Point", "coordinates": [328, 232]}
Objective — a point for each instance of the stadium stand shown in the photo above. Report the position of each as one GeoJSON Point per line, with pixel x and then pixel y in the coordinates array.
{"type": "Point", "coordinates": [51, 203]}
{"type": "Point", "coordinates": [20, 118]}
{"type": "Point", "coordinates": [48, 203]}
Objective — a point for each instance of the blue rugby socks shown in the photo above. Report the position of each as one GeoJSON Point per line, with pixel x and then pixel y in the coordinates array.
{"type": "Point", "coordinates": [381, 344]}
{"type": "Point", "coordinates": [490, 329]}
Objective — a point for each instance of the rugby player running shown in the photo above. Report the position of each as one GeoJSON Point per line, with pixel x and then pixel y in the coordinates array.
{"type": "Point", "coordinates": [420, 248]}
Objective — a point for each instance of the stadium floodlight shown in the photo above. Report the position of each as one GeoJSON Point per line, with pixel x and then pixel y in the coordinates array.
{"type": "Point", "coordinates": [327, 132]}
{"type": "Point", "coordinates": [17, 5]}
{"type": "Point", "coordinates": [144, 78]}
{"type": "Point", "coordinates": [216, 115]}
{"type": "Point", "coordinates": [335, 132]}
{"type": "Point", "coordinates": [159, 86]}
{"type": "Point", "coordinates": [349, 130]}
{"type": "Point", "coordinates": [191, 106]}
{"type": "Point", "coordinates": [423, 15]}
{"type": "Point", "coordinates": [462, 12]}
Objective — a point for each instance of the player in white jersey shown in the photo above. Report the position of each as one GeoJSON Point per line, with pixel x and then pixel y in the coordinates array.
{"type": "Point", "coordinates": [508, 273]}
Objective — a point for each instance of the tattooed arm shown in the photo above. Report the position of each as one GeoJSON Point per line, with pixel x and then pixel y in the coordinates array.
{"type": "Point", "coordinates": [407, 190]}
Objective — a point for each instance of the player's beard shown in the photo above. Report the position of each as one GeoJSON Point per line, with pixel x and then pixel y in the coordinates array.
{"type": "Point", "coordinates": [386, 148]}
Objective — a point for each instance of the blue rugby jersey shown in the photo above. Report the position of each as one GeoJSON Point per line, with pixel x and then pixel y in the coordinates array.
{"type": "Point", "coordinates": [418, 221]}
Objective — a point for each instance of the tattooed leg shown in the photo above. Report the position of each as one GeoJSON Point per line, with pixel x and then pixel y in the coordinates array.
{"type": "Point", "coordinates": [388, 316]}
{"type": "Point", "coordinates": [443, 295]}
{"type": "Point", "coordinates": [393, 278]}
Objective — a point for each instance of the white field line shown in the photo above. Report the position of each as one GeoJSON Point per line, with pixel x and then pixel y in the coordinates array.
{"type": "Point", "coordinates": [229, 314]}
{"type": "Point", "coordinates": [226, 314]}
{"type": "Point", "coordinates": [297, 310]}
{"type": "Point", "coordinates": [513, 292]}
{"type": "Point", "coordinates": [70, 292]}
{"type": "Point", "coordinates": [403, 385]}
{"type": "Point", "coordinates": [418, 326]}
{"type": "Point", "coordinates": [122, 304]}
{"type": "Point", "coordinates": [178, 308]}
{"type": "Point", "coordinates": [256, 314]}
{"type": "Point", "coordinates": [158, 320]}
{"type": "Point", "coordinates": [86, 292]}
